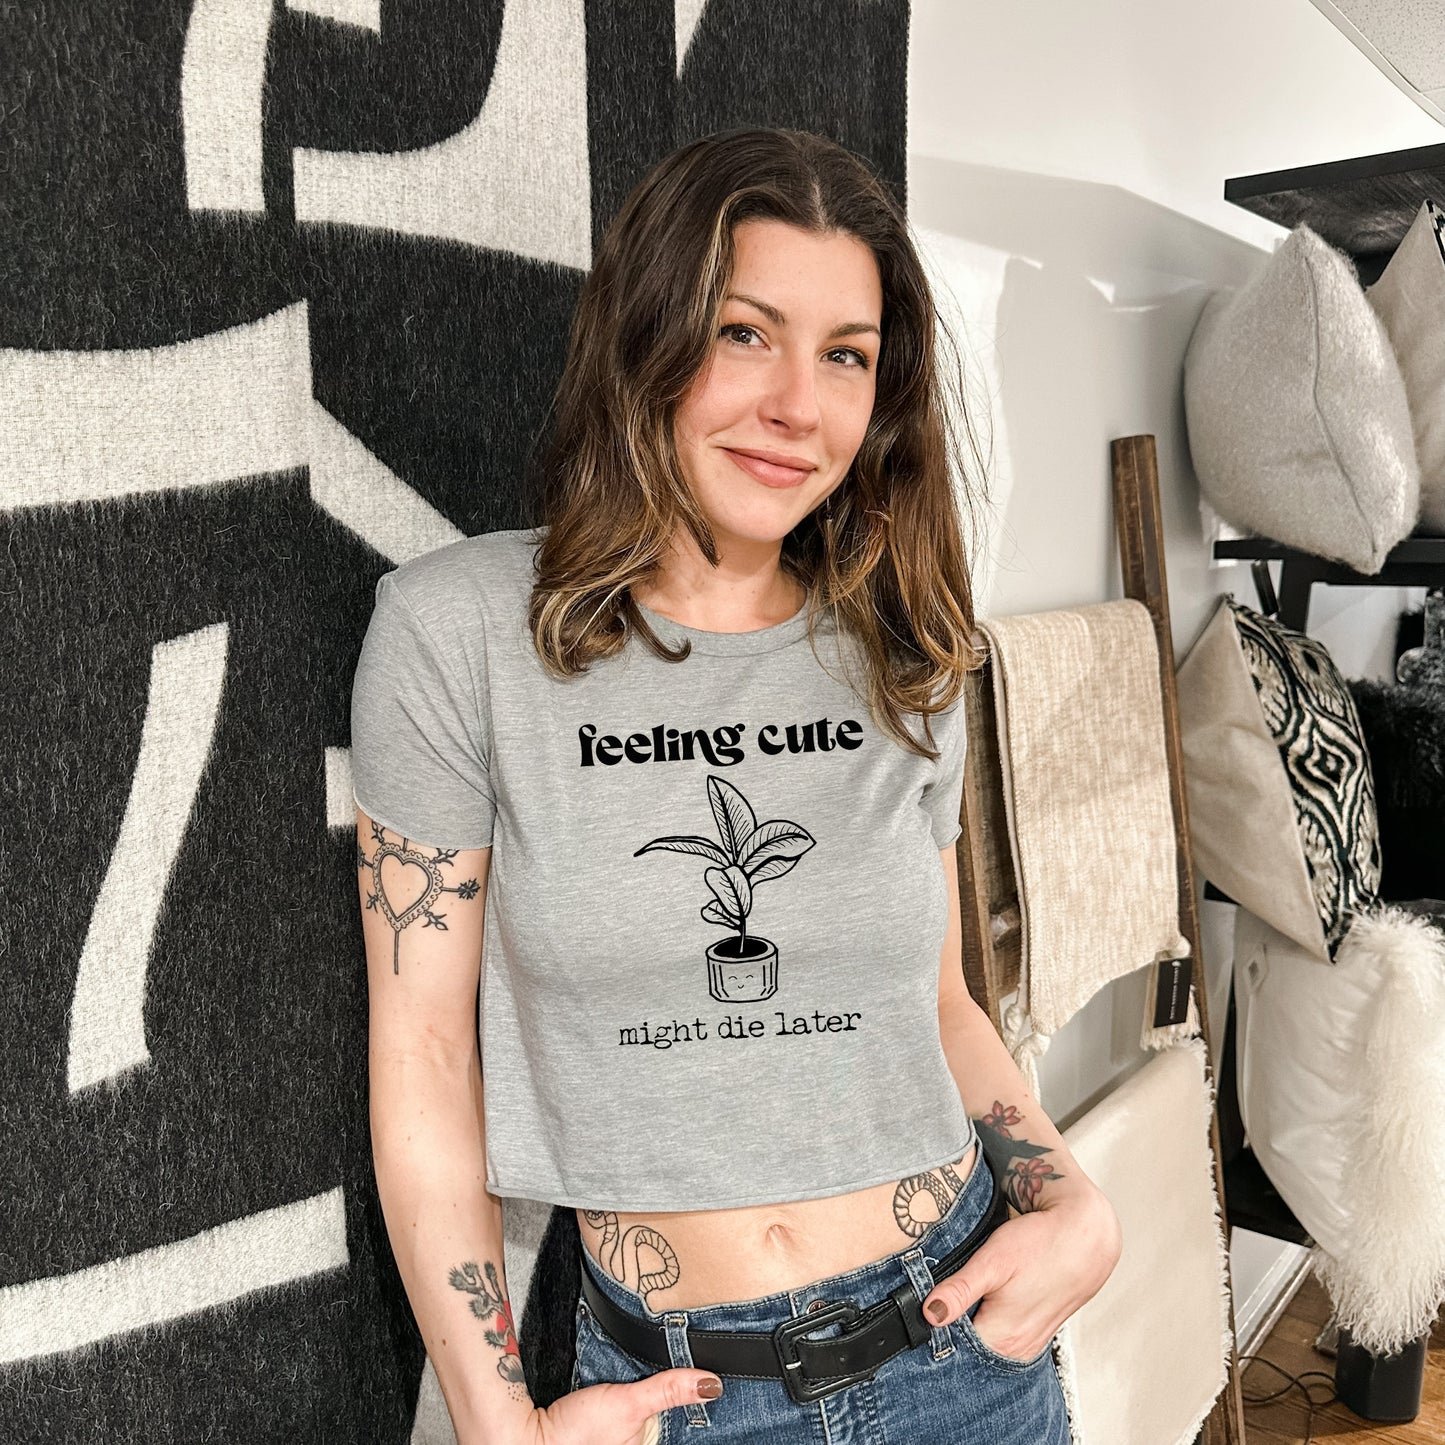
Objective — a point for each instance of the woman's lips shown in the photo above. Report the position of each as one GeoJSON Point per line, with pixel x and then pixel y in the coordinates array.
{"type": "Point", "coordinates": [769, 473]}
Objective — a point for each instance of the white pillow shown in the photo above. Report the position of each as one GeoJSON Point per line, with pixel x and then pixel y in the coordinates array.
{"type": "Point", "coordinates": [1298, 423]}
{"type": "Point", "coordinates": [1341, 1080]}
{"type": "Point", "coordinates": [1410, 299]}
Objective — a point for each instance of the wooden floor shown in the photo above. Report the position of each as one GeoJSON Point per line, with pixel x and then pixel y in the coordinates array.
{"type": "Point", "coordinates": [1291, 1346]}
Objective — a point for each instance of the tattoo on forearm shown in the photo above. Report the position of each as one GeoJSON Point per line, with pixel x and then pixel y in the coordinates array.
{"type": "Point", "coordinates": [941, 1185]}
{"type": "Point", "coordinates": [1021, 1165]}
{"type": "Point", "coordinates": [490, 1304]}
{"type": "Point", "coordinates": [619, 1253]}
{"type": "Point", "coordinates": [405, 889]}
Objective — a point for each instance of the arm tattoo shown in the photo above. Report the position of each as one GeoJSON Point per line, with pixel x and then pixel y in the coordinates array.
{"type": "Point", "coordinates": [489, 1303]}
{"type": "Point", "coordinates": [941, 1185]}
{"type": "Point", "coordinates": [618, 1253]}
{"type": "Point", "coordinates": [1021, 1165]}
{"type": "Point", "coordinates": [406, 888]}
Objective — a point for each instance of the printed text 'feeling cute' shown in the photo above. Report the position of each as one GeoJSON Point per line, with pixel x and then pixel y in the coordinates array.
{"type": "Point", "coordinates": [718, 748]}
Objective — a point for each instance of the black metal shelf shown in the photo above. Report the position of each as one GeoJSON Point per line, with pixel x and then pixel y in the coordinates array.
{"type": "Point", "coordinates": [1415, 562]}
{"type": "Point", "coordinates": [1362, 205]}
{"type": "Point", "coordinates": [1411, 552]}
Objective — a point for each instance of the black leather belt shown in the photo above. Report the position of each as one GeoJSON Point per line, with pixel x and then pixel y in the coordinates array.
{"type": "Point", "coordinates": [810, 1369]}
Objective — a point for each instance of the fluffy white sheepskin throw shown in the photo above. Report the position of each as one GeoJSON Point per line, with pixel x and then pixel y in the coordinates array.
{"type": "Point", "coordinates": [1388, 1286]}
{"type": "Point", "coordinates": [1342, 1088]}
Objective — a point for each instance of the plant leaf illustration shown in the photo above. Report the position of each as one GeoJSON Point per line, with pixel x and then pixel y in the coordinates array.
{"type": "Point", "coordinates": [732, 888]}
{"type": "Point", "coordinates": [750, 853]}
{"type": "Point", "coordinates": [714, 912]}
{"type": "Point", "coordinates": [736, 821]}
{"type": "Point", "coordinates": [773, 868]}
{"type": "Point", "coordinates": [703, 846]}
{"type": "Point", "coordinates": [777, 838]}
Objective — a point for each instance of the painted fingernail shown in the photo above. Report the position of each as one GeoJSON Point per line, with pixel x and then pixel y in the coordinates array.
{"type": "Point", "coordinates": [937, 1311]}
{"type": "Point", "coordinates": [710, 1389]}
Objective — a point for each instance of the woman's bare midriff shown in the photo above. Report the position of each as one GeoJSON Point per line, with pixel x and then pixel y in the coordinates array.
{"type": "Point", "coordinates": [695, 1258]}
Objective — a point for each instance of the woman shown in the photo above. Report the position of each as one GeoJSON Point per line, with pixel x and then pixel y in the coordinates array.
{"type": "Point", "coordinates": [701, 676]}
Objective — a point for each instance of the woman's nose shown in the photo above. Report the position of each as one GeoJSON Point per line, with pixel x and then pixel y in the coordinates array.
{"type": "Point", "coordinates": [793, 397]}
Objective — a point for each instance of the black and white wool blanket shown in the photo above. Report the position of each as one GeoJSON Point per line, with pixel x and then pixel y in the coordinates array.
{"type": "Point", "coordinates": [286, 288]}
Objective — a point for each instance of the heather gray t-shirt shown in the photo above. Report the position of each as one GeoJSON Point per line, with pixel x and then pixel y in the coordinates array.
{"type": "Point", "coordinates": [715, 909]}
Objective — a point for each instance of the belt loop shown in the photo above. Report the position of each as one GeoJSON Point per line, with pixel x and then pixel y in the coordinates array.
{"type": "Point", "coordinates": [680, 1352]}
{"type": "Point", "coordinates": [922, 1280]}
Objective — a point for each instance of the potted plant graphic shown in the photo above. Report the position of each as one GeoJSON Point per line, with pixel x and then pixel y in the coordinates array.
{"type": "Point", "coordinates": [739, 969]}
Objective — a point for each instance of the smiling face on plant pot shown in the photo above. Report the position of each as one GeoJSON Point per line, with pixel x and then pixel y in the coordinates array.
{"type": "Point", "coordinates": [791, 377]}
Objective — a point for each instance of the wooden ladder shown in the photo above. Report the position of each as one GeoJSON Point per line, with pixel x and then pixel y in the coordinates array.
{"type": "Point", "coordinates": [988, 896]}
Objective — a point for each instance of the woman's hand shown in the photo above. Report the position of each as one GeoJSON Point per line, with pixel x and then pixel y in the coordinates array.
{"type": "Point", "coordinates": [1034, 1271]}
{"type": "Point", "coordinates": [614, 1414]}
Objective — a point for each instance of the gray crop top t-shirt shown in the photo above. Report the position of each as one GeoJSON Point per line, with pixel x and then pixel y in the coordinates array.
{"type": "Point", "coordinates": [715, 908]}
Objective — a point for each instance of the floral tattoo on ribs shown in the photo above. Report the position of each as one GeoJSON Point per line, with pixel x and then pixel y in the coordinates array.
{"type": "Point", "coordinates": [490, 1304]}
{"type": "Point", "coordinates": [1021, 1166]}
{"type": "Point", "coordinates": [406, 882]}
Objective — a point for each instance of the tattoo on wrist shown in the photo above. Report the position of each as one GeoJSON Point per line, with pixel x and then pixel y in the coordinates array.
{"type": "Point", "coordinates": [620, 1253]}
{"type": "Point", "coordinates": [1022, 1167]}
{"type": "Point", "coordinates": [490, 1304]}
{"type": "Point", "coordinates": [405, 888]}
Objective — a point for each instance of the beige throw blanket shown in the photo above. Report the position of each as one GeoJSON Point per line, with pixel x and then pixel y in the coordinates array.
{"type": "Point", "coordinates": [1086, 783]}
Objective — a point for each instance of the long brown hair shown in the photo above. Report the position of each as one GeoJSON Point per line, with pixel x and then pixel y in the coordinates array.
{"type": "Point", "coordinates": [887, 554]}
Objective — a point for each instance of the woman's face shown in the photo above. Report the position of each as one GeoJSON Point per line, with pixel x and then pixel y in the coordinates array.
{"type": "Point", "coordinates": [792, 375]}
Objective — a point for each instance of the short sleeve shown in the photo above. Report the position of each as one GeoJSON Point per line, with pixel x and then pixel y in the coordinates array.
{"type": "Point", "coordinates": [420, 744]}
{"type": "Point", "coordinates": [942, 798]}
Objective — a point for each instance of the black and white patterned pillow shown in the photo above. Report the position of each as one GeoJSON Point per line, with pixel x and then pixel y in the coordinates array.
{"type": "Point", "coordinates": [1311, 715]}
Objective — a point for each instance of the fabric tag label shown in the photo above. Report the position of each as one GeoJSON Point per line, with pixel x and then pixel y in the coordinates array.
{"type": "Point", "coordinates": [1171, 999]}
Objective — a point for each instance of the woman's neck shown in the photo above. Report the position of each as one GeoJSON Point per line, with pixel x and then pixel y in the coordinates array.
{"type": "Point", "coordinates": [725, 598]}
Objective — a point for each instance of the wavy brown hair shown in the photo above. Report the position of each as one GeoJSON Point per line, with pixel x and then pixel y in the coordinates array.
{"type": "Point", "coordinates": [888, 553]}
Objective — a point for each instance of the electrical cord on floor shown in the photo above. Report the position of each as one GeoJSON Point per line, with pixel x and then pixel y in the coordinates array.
{"type": "Point", "coordinates": [1291, 1382]}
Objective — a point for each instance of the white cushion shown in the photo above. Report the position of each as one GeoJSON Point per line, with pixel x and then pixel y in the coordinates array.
{"type": "Point", "coordinates": [1410, 299]}
{"type": "Point", "coordinates": [1341, 1082]}
{"type": "Point", "coordinates": [1298, 423]}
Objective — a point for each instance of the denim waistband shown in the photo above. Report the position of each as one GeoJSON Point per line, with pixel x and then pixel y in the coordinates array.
{"type": "Point", "coordinates": [865, 1285]}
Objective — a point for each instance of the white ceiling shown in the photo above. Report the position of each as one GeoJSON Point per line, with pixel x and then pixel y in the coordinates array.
{"type": "Point", "coordinates": [1404, 38]}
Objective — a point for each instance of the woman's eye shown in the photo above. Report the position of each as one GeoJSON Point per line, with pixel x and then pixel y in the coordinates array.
{"type": "Point", "coordinates": [857, 358]}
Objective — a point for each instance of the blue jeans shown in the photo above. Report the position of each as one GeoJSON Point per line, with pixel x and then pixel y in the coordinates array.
{"type": "Point", "coordinates": [950, 1389]}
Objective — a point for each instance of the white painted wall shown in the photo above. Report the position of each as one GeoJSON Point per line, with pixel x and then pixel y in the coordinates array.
{"type": "Point", "coordinates": [1066, 170]}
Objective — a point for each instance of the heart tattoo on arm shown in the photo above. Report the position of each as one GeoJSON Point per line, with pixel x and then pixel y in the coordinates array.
{"type": "Point", "coordinates": [406, 882]}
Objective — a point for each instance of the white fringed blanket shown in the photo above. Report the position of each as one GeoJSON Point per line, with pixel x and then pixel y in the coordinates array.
{"type": "Point", "coordinates": [1144, 1360]}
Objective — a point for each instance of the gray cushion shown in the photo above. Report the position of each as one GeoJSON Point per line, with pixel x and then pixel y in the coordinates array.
{"type": "Point", "coordinates": [1410, 299]}
{"type": "Point", "coordinates": [1298, 422]}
